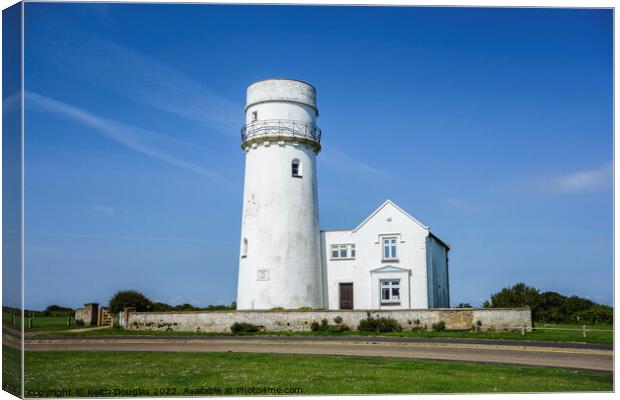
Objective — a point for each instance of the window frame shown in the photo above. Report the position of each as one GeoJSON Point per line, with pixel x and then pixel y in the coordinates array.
{"type": "Point", "coordinates": [254, 116]}
{"type": "Point", "coordinates": [391, 246]}
{"type": "Point", "coordinates": [244, 248]}
{"type": "Point", "coordinates": [299, 173]}
{"type": "Point", "coordinates": [392, 284]}
{"type": "Point", "coordinates": [338, 248]}
{"type": "Point", "coordinates": [265, 274]}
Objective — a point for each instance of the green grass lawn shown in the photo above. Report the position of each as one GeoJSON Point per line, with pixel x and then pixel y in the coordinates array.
{"type": "Point", "coordinates": [39, 323]}
{"type": "Point", "coordinates": [174, 373]}
{"type": "Point", "coordinates": [11, 370]}
{"type": "Point", "coordinates": [559, 336]}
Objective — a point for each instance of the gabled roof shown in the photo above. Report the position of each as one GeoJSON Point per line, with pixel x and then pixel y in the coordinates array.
{"type": "Point", "coordinates": [385, 203]}
{"type": "Point", "coordinates": [389, 268]}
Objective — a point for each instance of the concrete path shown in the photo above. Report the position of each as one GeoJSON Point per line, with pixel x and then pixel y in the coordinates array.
{"type": "Point", "coordinates": [563, 355]}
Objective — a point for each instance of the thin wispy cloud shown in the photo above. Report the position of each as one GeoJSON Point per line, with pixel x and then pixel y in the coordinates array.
{"type": "Point", "coordinates": [460, 205]}
{"type": "Point", "coordinates": [11, 104]}
{"type": "Point", "coordinates": [586, 180]}
{"type": "Point", "coordinates": [141, 78]}
{"type": "Point", "coordinates": [145, 142]}
{"type": "Point", "coordinates": [102, 10]}
{"type": "Point", "coordinates": [103, 210]}
{"type": "Point", "coordinates": [348, 164]}
{"type": "Point", "coordinates": [127, 237]}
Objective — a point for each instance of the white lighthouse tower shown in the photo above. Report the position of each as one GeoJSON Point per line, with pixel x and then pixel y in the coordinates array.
{"type": "Point", "coordinates": [279, 263]}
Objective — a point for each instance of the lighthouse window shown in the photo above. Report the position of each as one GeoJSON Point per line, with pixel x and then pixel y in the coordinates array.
{"type": "Point", "coordinates": [254, 116]}
{"type": "Point", "coordinates": [296, 168]}
{"type": "Point", "coordinates": [244, 248]}
{"type": "Point", "coordinates": [263, 275]}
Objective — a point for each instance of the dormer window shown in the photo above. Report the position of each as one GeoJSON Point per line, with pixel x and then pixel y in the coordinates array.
{"type": "Point", "coordinates": [296, 168]}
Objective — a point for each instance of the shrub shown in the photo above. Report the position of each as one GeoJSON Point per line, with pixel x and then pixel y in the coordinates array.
{"type": "Point", "coordinates": [324, 326]}
{"type": "Point", "coordinates": [185, 307]}
{"type": "Point", "coordinates": [338, 320]}
{"type": "Point", "coordinates": [305, 309]}
{"type": "Point", "coordinates": [161, 307]}
{"type": "Point", "coordinates": [381, 324]}
{"type": "Point", "coordinates": [439, 326]}
{"type": "Point", "coordinates": [129, 298]}
{"type": "Point", "coordinates": [243, 327]}
{"type": "Point", "coordinates": [277, 309]}
{"type": "Point", "coordinates": [597, 314]}
{"type": "Point", "coordinates": [79, 322]}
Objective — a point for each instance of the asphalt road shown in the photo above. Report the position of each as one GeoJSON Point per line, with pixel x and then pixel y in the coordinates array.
{"type": "Point", "coordinates": [562, 355]}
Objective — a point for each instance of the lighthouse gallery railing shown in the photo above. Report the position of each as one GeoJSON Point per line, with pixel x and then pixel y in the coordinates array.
{"type": "Point", "coordinates": [281, 127]}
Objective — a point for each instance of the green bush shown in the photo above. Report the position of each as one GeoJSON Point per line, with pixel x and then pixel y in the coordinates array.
{"type": "Point", "coordinates": [161, 307]}
{"type": "Point", "coordinates": [305, 309]}
{"type": "Point", "coordinates": [129, 298]}
{"type": "Point", "coordinates": [243, 327]}
{"type": "Point", "coordinates": [439, 326]}
{"type": "Point", "coordinates": [324, 326]}
{"type": "Point", "coordinates": [597, 314]}
{"type": "Point", "coordinates": [277, 309]}
{"type": "Point", "coordinates": [381, 324]}
{"type": "Point", "coordinates": [338, 320]}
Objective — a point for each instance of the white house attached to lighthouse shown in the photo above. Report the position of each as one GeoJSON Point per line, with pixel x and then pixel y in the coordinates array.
{"type": "Point", "coordinates": [389, 261]}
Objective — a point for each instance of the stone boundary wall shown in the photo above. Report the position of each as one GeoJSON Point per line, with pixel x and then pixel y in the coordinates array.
{"type": "Point", "coordinates": [499, 319]}
{"type": "Point", "coordinates": [88, 314]}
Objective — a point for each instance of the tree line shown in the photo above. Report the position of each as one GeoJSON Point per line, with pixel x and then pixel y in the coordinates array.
{"type": "Point", "coordinates": [551, 307]}
{"type": "Point", "coordinates": [133, 298]}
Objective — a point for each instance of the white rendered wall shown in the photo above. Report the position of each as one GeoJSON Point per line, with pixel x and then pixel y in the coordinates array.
{"type": "Point", "coordinates": [280, 219]}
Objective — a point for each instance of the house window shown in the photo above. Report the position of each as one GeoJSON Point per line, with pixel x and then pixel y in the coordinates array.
{"type": "Point", "coordinates": [342, 251]}
{"type": "Point", "coordinates": [296, 168]}
{"type": "Point", "coordinates": [389, 248]}
{"type": "Point", "coordinates": [254, 116]}
{"type": "Point", "coordinates": [390, 291]}
{"type": "Point", "coordinates": [335, 252]}
{"type": "Point", "coordinates": [244, 248]}
{"type": "Point", "coordinates": [263, 275]}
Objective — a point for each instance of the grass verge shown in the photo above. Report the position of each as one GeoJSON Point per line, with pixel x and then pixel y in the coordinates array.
{"type": "Point", "coordinates": [87, 374]}
{"type": "Point", "coordinates": [557, 336]}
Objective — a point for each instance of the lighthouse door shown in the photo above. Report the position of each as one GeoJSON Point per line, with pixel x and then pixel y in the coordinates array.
{"type": "Point", "coordinates": [346, 296]}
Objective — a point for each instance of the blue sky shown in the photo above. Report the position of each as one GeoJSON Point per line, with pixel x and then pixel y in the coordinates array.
{"type": "Point", "coordinates": [493, 126]}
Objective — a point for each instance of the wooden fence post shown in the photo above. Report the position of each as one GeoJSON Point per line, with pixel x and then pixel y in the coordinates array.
{"type": "Point", "coordinates": [30, 323]}
{"type": "Point", "coordinates": [523, 330]}
{"type": "Point", "coordinates": [584, 330]}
